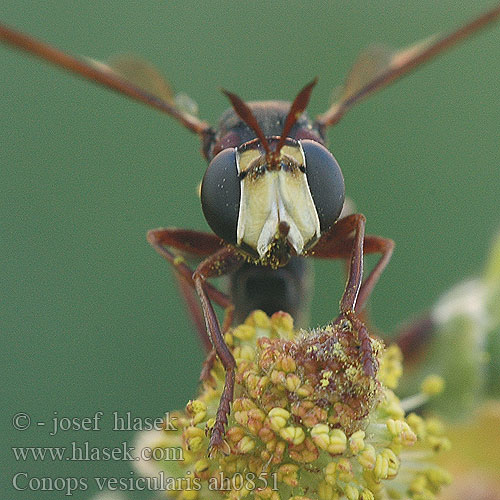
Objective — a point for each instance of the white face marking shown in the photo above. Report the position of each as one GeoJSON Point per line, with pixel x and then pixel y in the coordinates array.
{"type": "Point", "coordinates": [273, 197]}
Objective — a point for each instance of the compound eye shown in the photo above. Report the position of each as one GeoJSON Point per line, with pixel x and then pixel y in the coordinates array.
{"type": "Point", "coordinates": [326, 182]}
{"type": "Point", "coordinates": [220, 195]}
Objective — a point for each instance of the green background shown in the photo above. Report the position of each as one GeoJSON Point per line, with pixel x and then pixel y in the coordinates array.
{"type": "Point", "coordinates": [90, 315]}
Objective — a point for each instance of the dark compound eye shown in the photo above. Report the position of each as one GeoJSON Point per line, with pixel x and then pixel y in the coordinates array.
{"type": "Point", "coordinates": [326, 182]}
{"type": "Point", "coordinates": [220, 195]}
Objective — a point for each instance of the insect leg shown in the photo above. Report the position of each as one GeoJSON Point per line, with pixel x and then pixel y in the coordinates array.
{"type": "Point", "coordinates": [414, 338]}
{"type": "Point", "coordinates": [200, 244]}
{"type": "Point", "coordinates": [193, 242]}
{"type": "Point", "coordinates": [339, 243]}
{"type": "Point", "coordinates": [222, 262]}
{"type": "Point", "coordinates": [194, 310]}
{"type": "Point", "coordinates": [196, 314]}
{"type": "Point", "coordinates": [374, 244]}
{"type": "Point", "coordinates": [346, 239]}
{"type": "Point", "coordinates": [212, 355]}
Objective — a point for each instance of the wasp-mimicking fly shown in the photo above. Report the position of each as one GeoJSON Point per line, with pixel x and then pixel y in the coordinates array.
{"type": "Point", "coordinates": [272, 194]}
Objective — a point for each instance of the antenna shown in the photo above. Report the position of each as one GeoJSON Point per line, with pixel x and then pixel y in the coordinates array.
{"type": "Point", "coordinates": [296, 109]}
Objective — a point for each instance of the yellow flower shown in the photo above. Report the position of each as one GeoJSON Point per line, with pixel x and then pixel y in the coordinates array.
{"type": "Point", "coordinates": [307, 422]}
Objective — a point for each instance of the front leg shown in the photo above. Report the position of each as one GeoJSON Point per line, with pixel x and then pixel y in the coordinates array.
{"type": "Point", "coordinates": [222, 262]}
{"type": "Point", "coordinates": [347, 239]}
{"type": "Point", "coordinates": [351, 293]}
{"type": "Point", "coordinates": [198, 244]}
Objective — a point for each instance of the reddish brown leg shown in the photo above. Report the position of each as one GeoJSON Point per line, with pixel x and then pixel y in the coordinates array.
{"type": "Point", "coordinates": [340, 242]}
{"type": "Point", "coordinates": [414, 338]}
{"type": "Point", "coordinates": [208, 364]}
{"type": "Point", "coordinates": [212, 355]}
{"type": "Point", "coordinates": [352, 290]}
{"type": "Point", "coordinates": [194, 243]}
{"type": "Point", "coordinates": [222, 262]}
{"type": "Point", "coordinates": [374, 244]}
{"type": "Point", "coordinates": [193, 307]}
{"type": "Point", "coordinates": [355, 275]}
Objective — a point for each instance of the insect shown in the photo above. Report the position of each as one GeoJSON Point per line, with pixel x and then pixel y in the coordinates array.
{"type": "Point", "coordinates": [267, 193]}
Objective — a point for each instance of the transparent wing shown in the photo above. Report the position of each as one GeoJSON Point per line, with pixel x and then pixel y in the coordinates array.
{"type": "Point", "coordinates": [377, 67]}
{"type": "Point", "coordinates": [123, 76]}
{"type": "Point", "coordinates": [140, 73]}
{"type": "Point", "coordinates": [369, 64]}
{"type": "Point", "coordinates": [146, 76]}
{"type": "Point", "coordinates": [372, 63]}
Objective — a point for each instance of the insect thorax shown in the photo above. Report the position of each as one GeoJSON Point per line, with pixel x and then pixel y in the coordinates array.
{"type": "Point", "coordinates": [233, 131]}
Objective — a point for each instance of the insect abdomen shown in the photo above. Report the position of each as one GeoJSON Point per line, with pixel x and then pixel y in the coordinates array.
{"type": "Point", "coordinates": [287, 289]}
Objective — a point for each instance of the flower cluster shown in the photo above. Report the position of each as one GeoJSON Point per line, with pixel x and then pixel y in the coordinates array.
{"type": "Point", "coordinates": [307, 422]}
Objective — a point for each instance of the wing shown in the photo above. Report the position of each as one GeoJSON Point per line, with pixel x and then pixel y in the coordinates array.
{"type": "Point", "coordinates": [144, 75]}
{"type": "Point", "coordinates": [378, 67]}
{"type": "Point", "coordinates": [122, 75]}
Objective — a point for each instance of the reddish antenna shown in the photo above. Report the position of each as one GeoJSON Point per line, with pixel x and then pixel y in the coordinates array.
{"type": "Point", "coordinates": [296, 109]}
{"type": "Point", "coordinates": [245, 113]}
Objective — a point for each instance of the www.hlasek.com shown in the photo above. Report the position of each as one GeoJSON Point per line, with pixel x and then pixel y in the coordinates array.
{"type": "Point", "coordinates": [69, 485]}
{"type": "Point", "coordinates": [84, 452]}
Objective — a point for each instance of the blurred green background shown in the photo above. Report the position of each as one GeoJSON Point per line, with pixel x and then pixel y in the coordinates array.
{"type": "Point", "coordinates": [90, 315]}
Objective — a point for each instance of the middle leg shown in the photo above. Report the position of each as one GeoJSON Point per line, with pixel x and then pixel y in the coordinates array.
{"type": "Point", "coordinates": [346, 240]}
{"type": "Point", "coordinates": [193, 243]}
